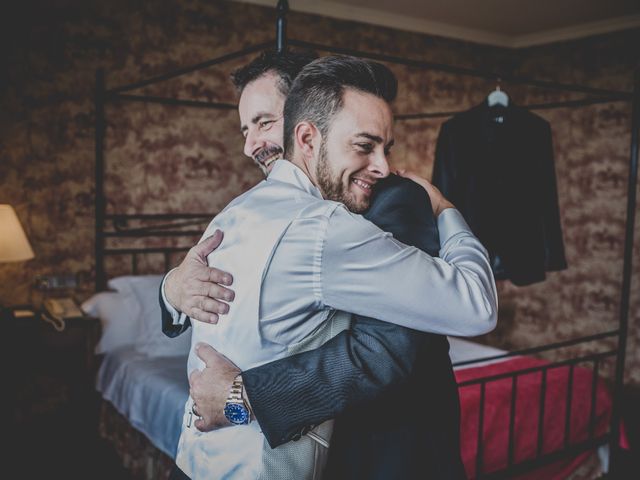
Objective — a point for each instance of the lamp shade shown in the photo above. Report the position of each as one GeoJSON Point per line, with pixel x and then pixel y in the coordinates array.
{"type": "Point", "coordinates": [14, 246]}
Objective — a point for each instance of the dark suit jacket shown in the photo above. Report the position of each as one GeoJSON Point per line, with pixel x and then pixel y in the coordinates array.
{"type": "Point", "coordinates": [391, 388]}
{"type": "Point", "coordinates": [495, 164]}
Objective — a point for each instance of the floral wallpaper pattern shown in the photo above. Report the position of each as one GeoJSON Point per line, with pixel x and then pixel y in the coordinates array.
{"type": "Point", "coordinates": [176, 159]}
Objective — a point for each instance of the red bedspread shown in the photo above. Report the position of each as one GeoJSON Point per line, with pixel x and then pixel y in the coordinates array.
{"type": "Point", "coordinates": [497, 412]}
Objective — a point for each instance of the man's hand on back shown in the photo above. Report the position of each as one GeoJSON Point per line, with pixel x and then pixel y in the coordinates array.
{"type": "Point", "coordinates": [438, 201]}
{"type": "Point", "coordinates": [210, 387]}
{"type": "Point", "coordinates": [196, 289]}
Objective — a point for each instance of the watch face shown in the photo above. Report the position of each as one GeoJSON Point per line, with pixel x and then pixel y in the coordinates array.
{"type": "Point", "coordinates": [236, 413]}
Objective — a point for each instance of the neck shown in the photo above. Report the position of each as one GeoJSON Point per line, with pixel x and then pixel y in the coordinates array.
{"type": "Point", "coordinates": [305, 166]}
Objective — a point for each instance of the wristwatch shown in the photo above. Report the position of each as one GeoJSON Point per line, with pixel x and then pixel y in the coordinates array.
{"type": "Point", "coordinates": [236, 409]}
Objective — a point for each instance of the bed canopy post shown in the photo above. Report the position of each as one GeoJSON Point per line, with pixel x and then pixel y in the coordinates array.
{"type": "Point", "coordinates": [281, 25]}
{"type": "Point", "coordinates": [614, 468]}
{"type": "Point", "coordinates": [99, 100]}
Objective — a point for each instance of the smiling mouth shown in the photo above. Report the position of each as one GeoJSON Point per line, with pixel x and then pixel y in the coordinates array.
{"type": "Point", "coordinates": [267, 156]}
{"type": "Point", "coordinates": [272, 159]}
{"type": "Point", "coordinates": [365, 186]}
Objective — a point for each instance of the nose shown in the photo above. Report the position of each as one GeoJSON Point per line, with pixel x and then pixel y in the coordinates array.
{"type": "Point", "coordinates": [252, 143]}
{"type": "Point", "coordinates": [379, 165]}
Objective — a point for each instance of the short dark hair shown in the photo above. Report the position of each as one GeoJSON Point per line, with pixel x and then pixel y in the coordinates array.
{"type": "Point", "coordinates": [286, 65]}
{"type": "Point", "coordinates": [316, 94]}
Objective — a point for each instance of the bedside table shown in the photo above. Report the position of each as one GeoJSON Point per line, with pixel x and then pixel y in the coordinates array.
{"type": "Point", "coordinates": [53, 404]}
{"type": "Point", "coordinates": [51, 373]}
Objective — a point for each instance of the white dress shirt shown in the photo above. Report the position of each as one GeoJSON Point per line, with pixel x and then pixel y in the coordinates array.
{"type": "Point", "coordinates": [342, 261]}
{"type": "Point", "coordinates": [297, 259]}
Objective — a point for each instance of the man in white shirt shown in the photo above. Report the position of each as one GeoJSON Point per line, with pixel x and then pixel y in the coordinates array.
{"type": "Point", "coordinates": [338, 131]}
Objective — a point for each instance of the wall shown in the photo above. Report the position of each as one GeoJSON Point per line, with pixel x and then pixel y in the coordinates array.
{"type": "Point", "coordinates": [177, 159]}
{"type": "Point", "coordinates": [592, 149]}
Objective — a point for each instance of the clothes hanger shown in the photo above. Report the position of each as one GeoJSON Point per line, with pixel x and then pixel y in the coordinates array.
{"type": "Point", "coordinates": [498, 97]}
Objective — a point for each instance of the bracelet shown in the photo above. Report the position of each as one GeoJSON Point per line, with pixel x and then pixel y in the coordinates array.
{"type": "Point", "coordinates": [245, 399]}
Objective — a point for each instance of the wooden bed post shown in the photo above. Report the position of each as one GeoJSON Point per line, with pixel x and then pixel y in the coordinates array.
{"type": "Point", "coordinates": [614, 449]}
{"type": "Point", "coordinates": [99, 179]}
{"type": "Point", "coordinates": [281, 25]}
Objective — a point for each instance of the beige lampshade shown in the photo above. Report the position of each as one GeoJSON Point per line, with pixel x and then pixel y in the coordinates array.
{"type": "Point", "coordinates": [14, 246]}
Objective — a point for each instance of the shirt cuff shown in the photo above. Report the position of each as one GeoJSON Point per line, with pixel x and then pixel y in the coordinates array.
{"type": "Point", "coordinates": [451, 223]}
{"type": "Point", "coordinates": [178, 317]}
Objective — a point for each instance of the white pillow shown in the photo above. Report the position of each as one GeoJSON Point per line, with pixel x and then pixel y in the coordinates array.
{"type": "Point", "coordinates": [151, 340]}
{"type": "Point", "coordinates": [119, 315]}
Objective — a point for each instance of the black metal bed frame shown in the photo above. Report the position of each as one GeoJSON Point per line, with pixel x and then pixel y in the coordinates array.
{"type": "Point", "coordinates": [182, 225]}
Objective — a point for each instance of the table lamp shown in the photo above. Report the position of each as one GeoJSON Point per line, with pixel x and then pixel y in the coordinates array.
{"type": "Point", "coordinates": [14, 246]}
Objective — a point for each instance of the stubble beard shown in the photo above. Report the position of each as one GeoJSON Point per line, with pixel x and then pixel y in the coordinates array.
{"type": "Point", "coordinates": [331, 186]}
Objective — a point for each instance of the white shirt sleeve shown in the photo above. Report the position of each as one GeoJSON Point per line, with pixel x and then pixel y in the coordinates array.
{"type": "Point", "coordinates": [178, 317]}
{"type": "Point", "coordinates": [368, 272]}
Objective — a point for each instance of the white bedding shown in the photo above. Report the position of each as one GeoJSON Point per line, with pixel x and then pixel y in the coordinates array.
{"type": "Point", "coordinates": [461, 350]}
{"type": "Point", "coordinates": [149, 391]}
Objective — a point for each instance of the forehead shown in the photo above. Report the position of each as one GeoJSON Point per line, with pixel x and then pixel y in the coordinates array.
{"type": "Point", "coordinates": [261, 97]}
{"type": "Point", "coordinates": [363, 113]}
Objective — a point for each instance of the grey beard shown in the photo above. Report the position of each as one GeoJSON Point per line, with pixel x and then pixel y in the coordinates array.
{"type": "Point", "coordinates": [267, 152]}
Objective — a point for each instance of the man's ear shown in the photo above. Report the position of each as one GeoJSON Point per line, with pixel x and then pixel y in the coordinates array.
{"type": "Point", "coordinates": [308, 138]}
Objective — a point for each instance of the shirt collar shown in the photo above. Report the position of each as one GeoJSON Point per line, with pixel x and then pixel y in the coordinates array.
{"type": "Point", "coordinates": [287, 172]}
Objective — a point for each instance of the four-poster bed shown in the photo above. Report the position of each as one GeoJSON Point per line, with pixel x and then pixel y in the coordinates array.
{"type": "Point", "coordinates": [519, 383]}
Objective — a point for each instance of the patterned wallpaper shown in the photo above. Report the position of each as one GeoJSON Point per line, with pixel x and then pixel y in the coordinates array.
{"type": "Point", "coordinates": [177, 159]}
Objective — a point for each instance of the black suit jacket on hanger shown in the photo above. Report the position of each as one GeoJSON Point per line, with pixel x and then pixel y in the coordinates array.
{"type": "Point", "coordinates": [496, 165]}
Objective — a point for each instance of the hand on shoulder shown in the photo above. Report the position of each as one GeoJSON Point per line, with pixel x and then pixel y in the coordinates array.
{"type": "Point", "coordinates": [438, 202]}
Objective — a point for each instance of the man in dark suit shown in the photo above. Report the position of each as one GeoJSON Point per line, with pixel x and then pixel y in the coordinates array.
{"type": "Point", "coordinates": [391, 388]}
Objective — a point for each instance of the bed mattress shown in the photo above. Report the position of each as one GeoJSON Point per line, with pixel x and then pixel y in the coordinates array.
{"type": "Point", "coordinates": [150, 392]}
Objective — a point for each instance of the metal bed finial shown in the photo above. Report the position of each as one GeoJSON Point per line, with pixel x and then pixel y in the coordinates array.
{"type": "Point", "coordinates": [281, 25]}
